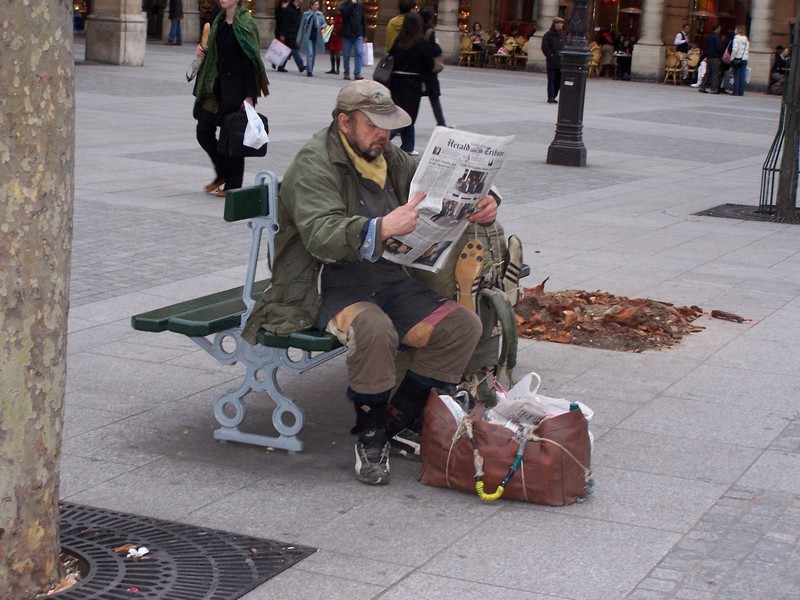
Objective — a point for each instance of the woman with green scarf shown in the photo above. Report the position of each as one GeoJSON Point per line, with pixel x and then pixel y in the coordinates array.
{"type": "Point", "coordinates": [231, 74]}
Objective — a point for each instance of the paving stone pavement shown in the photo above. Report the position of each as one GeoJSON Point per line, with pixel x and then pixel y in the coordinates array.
{"type": "Point", "coordinates": [697, 452]}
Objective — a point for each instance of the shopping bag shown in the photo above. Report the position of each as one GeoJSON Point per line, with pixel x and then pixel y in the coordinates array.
{"type": "Point", "coordinates": [551, 467]}
{"type": "Point", "coordinates": [255, 134]}
{"type": "Point", "coordinates": [367, 54]}
{"type": "Point", "coordinates": [326, 33]}
{"type": "Point", "coordinates": [277, 53]}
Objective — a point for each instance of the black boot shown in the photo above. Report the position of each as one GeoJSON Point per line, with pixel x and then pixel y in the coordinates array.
{"type": "Point", "coordinates": [338, 59]}
{"type": "Point", "coordinates": [405, 412]}
{"type": "Point", "coordinates": [333, 67]}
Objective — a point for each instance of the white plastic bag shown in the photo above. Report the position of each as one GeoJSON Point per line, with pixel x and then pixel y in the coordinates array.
{"type": "Point", "coordinates": [367, 54]}
{"type": "Point", "coordinates": [277, 53]}
{"type": "Point", "coordinates": [254, 134]}
{"type": "Point", "coordinates": [524, 404]}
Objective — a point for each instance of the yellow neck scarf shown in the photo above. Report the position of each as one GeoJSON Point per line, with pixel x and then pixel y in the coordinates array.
{"type": "Point", "coordinates": [373, 170]}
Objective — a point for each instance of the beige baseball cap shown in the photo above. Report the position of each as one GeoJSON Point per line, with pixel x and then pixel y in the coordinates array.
{"type": "Point", "coordinates": [375, 101]}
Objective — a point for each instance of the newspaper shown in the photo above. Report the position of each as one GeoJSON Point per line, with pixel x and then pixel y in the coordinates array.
{"type": "Point", "coordinates": [457, 169]}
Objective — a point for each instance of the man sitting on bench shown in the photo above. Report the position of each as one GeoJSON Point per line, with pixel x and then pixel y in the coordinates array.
{"type": "Point", "coordinates": [344, 195]}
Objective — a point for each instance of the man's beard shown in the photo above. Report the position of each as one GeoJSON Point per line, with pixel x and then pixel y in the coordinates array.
{"type": "Point", "coordinates": [369, 155]}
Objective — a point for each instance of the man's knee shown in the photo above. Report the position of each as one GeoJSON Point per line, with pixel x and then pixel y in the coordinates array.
{"type": "Point", "coordinates": [371, 329]}
{"type": "Point", "coordinates": [463, 327]}
{"type": "Point", "coordinates": [371, 341]}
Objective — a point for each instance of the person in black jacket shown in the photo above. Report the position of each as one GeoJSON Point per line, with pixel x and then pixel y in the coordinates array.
{"type": "Point", "coordinates": [413, 60]}
{"type": "Point", "coordinates": [354, 27]}
{"type": "Point", "coordinates": [431, 79]}
{"type": "Point", "coordinates": [713, 52]}
{"type": "Point", "coordinates": [552, 44]}
{"type": "Point", "coordinates": [290, 25]}
{"type": "Point", "coordinates": [175, 16]}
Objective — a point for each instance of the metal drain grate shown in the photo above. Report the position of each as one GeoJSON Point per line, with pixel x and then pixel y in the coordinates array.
{"type": "Point", "coordinates": [745, 213]}
{"type": "Point", "coordinates": [184, 563]}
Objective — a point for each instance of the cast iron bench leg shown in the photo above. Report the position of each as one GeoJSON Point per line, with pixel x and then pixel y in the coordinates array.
{"type": "Point", "coordinates": [261, 374]}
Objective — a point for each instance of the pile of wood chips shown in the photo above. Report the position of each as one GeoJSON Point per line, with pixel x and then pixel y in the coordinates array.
{"type": "Point", "coordinates": [601, 320]}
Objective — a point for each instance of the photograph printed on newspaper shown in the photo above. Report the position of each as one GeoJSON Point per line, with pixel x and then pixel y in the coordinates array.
{"type": "Point", "coordinates": [456, 171]}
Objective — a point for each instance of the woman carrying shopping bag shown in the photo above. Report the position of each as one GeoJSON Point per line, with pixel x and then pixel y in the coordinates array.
{"type": "Point", "coordinates": [232, 73]}
{"type": "Point", "coordinates": [309, 38]}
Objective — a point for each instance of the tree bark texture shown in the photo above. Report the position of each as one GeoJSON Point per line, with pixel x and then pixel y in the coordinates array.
{"type": "Point", "coordinates": [37, 147]}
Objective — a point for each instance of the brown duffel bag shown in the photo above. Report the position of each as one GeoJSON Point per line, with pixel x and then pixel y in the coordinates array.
{"type": "Point", "coordinates": [555, 464]}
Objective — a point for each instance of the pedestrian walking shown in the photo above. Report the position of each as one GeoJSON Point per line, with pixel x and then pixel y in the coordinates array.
{"type": "Point", "coordinates": [552, 45]}
{"type": "Point", "coordinates": [354, 26]}
{"type": "Point", "coordinates": [175, 16]}
{"type": "Point", "coordinates": [288, 34]}
{"type": "Point", "coordinates": [335, 45]}
{"type": "Point", "coordinates": [232, 73]}
{"type": "Point", "coordinates": [310, 35]}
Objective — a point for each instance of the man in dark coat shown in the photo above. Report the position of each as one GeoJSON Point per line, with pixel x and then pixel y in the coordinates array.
{"type": "Point", "coordinates": [713, 52]}
{"type": "Point", "coordinates": [289, 26]}
{"type": "Point", "coordinates": [552, 44]}
{"type": "Point", "coordinates": [175, 16]}
{"type": "Point", "coordinates": [354, 28]}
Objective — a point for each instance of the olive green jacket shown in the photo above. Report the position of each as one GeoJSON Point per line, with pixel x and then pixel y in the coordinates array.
{"type": "Point", "coordinates": [319, 223]}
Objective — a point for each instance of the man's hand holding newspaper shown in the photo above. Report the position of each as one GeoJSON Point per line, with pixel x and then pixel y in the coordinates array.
{"type": "Point", "coordinates": [449, 190]}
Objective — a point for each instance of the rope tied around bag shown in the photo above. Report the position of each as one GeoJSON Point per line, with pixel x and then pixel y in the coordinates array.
{"type": "Point", "coordinates": [465, 427]}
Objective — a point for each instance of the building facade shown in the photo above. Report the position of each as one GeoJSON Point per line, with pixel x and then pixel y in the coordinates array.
{"type": "Point", "coordinates": [651, 23]}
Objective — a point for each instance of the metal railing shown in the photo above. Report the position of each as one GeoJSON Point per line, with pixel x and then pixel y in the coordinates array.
{"type": "Point", "coordinates": [779, 175]}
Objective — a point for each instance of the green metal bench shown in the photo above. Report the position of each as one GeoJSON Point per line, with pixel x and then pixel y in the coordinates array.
{"type": "Point", "coordinates": [214, 323]}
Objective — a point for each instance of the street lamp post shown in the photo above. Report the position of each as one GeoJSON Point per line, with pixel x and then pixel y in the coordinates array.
{"type": "Point", "coordinates": [567, 147]}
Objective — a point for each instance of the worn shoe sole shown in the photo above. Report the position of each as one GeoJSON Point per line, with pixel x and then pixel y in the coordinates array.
{"type": "Point", "coordinates": [468, 270]}
{"type": "Point", "coordinates": [370, 473]}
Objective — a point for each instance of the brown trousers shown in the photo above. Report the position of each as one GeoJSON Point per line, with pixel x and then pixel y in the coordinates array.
{"type": "Point", "coordinates": [442, 350]}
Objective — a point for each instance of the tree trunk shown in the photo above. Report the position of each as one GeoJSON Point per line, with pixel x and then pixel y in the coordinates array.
{"type": "Point", "coordinates": [37, 147]}
{"type": "Point", "coordinates": [786, 198]}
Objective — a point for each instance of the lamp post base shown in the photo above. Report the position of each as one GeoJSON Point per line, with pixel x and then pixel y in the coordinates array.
{"type": "Point", "coordinates": [566, 154]}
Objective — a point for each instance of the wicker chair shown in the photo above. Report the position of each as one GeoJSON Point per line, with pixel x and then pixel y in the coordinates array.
{"type": "Point", "coordinates": [672, 69]}
{"type": "Point", "coordinates": [468, 53]}
{"type": "Point", "coordinates": [520, 59]}
{"type": "Point", "coordinates": [594, 60]}
{"type": "Point", "coordinates": [504, 57]}
{"type": "Point", "coordinates": [692, 62]}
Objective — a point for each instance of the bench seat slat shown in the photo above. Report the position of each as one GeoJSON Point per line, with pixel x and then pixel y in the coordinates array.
{"type": "Point", "coordinates": [208, 320]}
{"type": "Point", "coordinates": [312, 340]}
{"type": "Point", "coordinates": [211, 310]}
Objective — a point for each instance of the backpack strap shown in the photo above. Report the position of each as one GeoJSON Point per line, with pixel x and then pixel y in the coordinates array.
{"type": "Point", "coordinates": [507, 358]}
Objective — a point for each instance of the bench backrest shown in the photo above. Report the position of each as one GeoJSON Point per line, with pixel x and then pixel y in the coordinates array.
{"type": "Point", "coordinates": [258, 204]}
{"type": "Point", "coordinates": [250, 202]}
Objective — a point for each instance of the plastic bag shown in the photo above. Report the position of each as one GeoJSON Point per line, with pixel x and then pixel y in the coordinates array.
{"type": "Point", "coordinates": [523, 404]}
{"type": "Point", "coordinates": [367, 54]}
{"type": "Point", "coordinates": [255, 136]}
{"type": "Point", "coordinates": [277, 53]}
